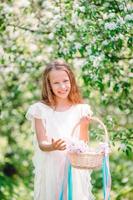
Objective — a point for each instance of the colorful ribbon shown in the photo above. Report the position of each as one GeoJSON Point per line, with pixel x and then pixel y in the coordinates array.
{"type": "Point", "coordinates": [68, 184]}
{"type": "Point", "coordinates": [67, 180]}
{"type": "Point", "coordinates": [106, 174]}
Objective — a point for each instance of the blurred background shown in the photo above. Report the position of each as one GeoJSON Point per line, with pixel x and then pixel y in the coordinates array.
{"type": "Point", "coordinates": [96, 38]}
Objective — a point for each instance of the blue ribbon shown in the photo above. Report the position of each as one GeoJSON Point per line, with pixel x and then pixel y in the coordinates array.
{"type": "Point", "coordinates": [106, 177]}
{"type": "Point", "coordinates": [69, 182]}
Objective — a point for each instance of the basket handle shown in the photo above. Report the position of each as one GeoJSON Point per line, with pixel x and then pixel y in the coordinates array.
{"type": "Point", "coordinates": [100, 122]}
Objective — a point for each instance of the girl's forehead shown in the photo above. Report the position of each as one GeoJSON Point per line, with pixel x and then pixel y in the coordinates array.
{"type": "Point", "coordinates": [54, 74]}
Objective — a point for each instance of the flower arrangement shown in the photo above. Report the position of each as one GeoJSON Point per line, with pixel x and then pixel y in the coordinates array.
{"type": "Point", "coordinates": [79, 146]}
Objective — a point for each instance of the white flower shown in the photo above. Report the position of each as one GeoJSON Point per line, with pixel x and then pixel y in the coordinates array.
{"type": "Point", "coordinates": [122, 146]}
{"type": "Point", "coordinates": [78, 63]}
{"type": "Point", "coordinates": [92, 58]}
{"type": "Point", "coordinates": [105, 42]}
{"type": "Point", "coordinates": [32, 47]}
{"type": "Point", "coordinates": [23, 3]}
{"type": "Point", "coordinates": [75, 18]}
{"type": "Point", "coordinates": [9, 68]}
{"type": "Point", "coordinates": [110, 26]}
{"type": "Point", "coordinates": [49, 49]}
{"type": "Point", "coordinates": [111, 15]}
{"type": "Point", "coordinates": [97, 60]}
{"type": "Point", "coordinates": [96, 63]}
{"type": "Point", "coordinates": [131, 61]}
{"type": "Point", "coordinates": [65, 51]}
{"type": "Point", "coordinates": [77, 146]}
{"type": "Point", "coordinates": [88, 49]}
{"type": "Point", "coordinates": [75, 5]}
{"type": "Point", "coordinates": [120, 20]}
{"type": "Point", "coordinates": [130, 7]}
{"type": "Point", "coordinates": [1, 51]}
{"type": "Point", "coordinates": [78, 45]}
{"type": "Point", "coordinates": [123, 121]}
{"type": "Point", "coordinates": [82, 9]}
{"type": "Point", "coordinates": [51, 36]}
{"type": "Point", "coordinates": [7, 9]}
{"type": "Point", "coordinates": [105, 16]}
{"type": "Point", "coordinates": [47, 5]}
{"type": "Point", "coordinates": [56, 10]}
{"type": "Point", "coordinates": [70, 37]}
{"type": "Point", "coordinates": [39, 58]}
{"type": "Point", "coordinates": [121, 36]}
{"type": "Point", "coordinates": [14, 47]}
{"type": "Point", "coordinates": [129, 17]}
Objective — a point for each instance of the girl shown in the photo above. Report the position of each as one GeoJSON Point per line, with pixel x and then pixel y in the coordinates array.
{"type": "Point", "coordinates": [53, 119]}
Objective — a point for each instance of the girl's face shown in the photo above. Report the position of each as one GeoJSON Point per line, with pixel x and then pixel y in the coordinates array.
{"type": "Point", "coordinates": [60, 83]}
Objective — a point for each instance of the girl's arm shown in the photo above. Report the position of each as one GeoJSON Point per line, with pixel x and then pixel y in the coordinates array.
{"type": "Point", "coordinates": [84, 134]}
{"type": "Point", "coordinates": [44, 145]}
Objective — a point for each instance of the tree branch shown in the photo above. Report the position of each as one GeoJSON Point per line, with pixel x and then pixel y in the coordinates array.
{"type": "Point", "coordinates": [28, 29]}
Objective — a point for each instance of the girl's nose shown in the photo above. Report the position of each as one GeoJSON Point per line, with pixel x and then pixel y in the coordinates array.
{"type": "Point", "coordinates": [62, 86]}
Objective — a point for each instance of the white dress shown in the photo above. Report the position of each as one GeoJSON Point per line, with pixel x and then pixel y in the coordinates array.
{"type": "Point", "coordinates": [49, 166]}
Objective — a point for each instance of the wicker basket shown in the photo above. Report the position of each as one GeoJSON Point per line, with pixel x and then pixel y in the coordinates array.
{"type": "Point", "coordinates": [89, 160]}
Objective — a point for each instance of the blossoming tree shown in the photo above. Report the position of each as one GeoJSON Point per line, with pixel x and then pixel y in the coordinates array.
{"type": "Point", "coordinates": [95, 37]}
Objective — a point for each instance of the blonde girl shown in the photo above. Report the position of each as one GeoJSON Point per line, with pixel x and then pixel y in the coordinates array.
{"type": "Point", "coordinates": [53, 119]}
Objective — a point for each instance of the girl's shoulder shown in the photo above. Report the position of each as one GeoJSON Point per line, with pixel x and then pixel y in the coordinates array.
{"type": "Point", "coordinates": [37, 110]}
{"type": "Point", "coordinates": [85, 109]}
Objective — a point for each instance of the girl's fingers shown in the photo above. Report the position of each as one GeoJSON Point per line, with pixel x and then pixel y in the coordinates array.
{"type": "Point", "coordinates": [85, 119]}
{"type": "Point", "coordinates": [58, 144]}
{"type": "Point", "coordinates": [62, 147]}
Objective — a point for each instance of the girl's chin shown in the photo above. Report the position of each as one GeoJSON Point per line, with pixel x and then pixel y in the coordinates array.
{"type": "Point", "coordinates": [62, 96]}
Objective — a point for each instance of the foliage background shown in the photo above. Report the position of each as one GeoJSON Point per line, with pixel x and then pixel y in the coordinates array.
{"type": "Point", "coordinates": [95, 37]}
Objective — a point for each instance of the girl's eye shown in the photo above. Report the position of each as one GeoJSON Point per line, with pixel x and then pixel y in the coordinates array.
{"type": "Point", "coordinates": [56, 83]}
{"type": "Point", "coordinates": [66, 81]}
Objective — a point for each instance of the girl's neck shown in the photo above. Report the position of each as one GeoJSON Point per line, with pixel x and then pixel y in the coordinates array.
{"type": "Point", "coordinates": [62, 104]}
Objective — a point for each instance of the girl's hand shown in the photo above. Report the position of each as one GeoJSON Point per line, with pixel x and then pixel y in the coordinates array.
{"type": "Point", "coordinates": [58, 144]}
{"type": "Point", "coordinates": [85, 120]}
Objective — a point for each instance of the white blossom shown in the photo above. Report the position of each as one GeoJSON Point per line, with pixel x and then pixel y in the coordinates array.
{"type": "Point", "coordinates": [97, 60]}
{"type": "Point", "coordinates": [22, 3]}
{"type": "Point", "coordinates": [78, 45]}
{"type": "Point", "coordinates": [65, 51]}
{"type": "Point", "coordinates": [122, 146]}
{"type": "Point", "coordinates": [49, 49]}
{"type": "Point", "coordinates": [1, 51]}
{"type": "Point", "coordinates": [7, 9]}
{"type": "Point", "coordinates": [24, 78]}
{"type": "Point", "coordinates": [32, 47]}
{"type": "Point", "coordinates": [82, 9]}
{"type": "Point", "coordinates": [130, 7]}
{"type": "Point", "coordinates": [78, 63]}
{"type": "Point", "coordinates": [88, 49]}
{"type": "Point", "coordinates": [121, 21]}
{"type": "Point", "coordinates": [129, 17]}
{"type": "Point", "coordinates": [110, 26]}
{"type": "Point", "coordinates": [105, 16]}
{"type": "Point", "coordinates": [39, 58]}
{"type": "Point", "coordinates": [9, 68]}
{"type": "Point", "coordinates": [111, 15]}
{"type": "Point", "coordinates": [51, 36]}
{"type": "Point", "coordinates": [75, 18]}
{"type": "Point", "coordinates": [56, 10]}
{"type": "Point", "coordinates": [14, 47]}
{"type": "Point", "coordinates": [75, 5]}
{"type": "Point", "coordinates": [47, 5]}
{"type": "Point", "coordinates": [131, 62]}
{"type": "Point", "coordinates": [71, 37]}
{"type": "Point", "coordinates": [105, 42]}
{"type": "Point", "coordinates": [123, 121]}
